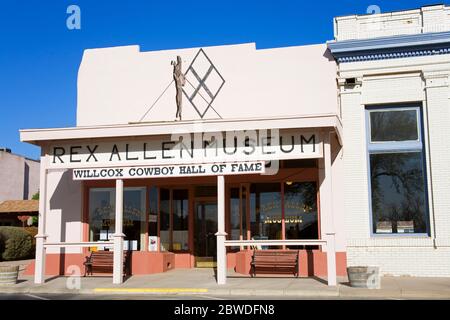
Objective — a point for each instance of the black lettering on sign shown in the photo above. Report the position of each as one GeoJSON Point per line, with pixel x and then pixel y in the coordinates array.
{"type": "Point", "coordinates": [115, 151]}
{"type": "Point", "coordinates": [91, 153]}
{"type": "Point", "coordinates": [73, 152]}
{"type": "Point", "coordinates": [292, 145]}
{"type": "Point", "coordinates": [312, 138]}
{"type": "Point", "coordinates": [145, 153]}
{"type": "Point", "coordinates": [58, 154]}
{"type": "Point", "coordinates": [78, 173]}
{"type": "Point", "coordinates": [248, 144]}
{"type": "Point", "coordinates": [103, 173]}
{"type": "Point", "coordinates": [266, 141]}
{"type": "Point", "coordinates": [225, 146]}
{"type": "Point", "coordinates": [127, 146]}
{"type": "Point", "coordinates": [210, 144]}
{"type": "Point", "coordinates": [190, 152]}
{"type": "Point", "coordinates": [166, 149]}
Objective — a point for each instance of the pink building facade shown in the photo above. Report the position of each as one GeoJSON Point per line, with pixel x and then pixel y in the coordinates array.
{"type": "Point", "coordinates": [321, 149]}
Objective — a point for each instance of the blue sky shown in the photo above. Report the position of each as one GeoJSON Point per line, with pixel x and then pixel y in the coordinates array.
{"type": "Point", "coordinates": [40, 56]}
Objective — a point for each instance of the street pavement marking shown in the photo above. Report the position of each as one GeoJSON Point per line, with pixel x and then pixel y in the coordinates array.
{"type": "Point", "coordinates": [36, 297]}
{"type": "Point", "coordinates": [152, 290]}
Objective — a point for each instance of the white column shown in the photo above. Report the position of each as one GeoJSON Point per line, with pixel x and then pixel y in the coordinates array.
{"type": "Point", "coordinates": [118, 235]}
{"type": "Point", "coordinates": [39, 268]}
{"type": "Point", "coordinates": [221, 234]}
{"type": "Point", "coordinates": [331, 259]}
{"type": "Point", "coordinates": [436, 120]}
{"type": "Point", "coordinates": [326, 205]}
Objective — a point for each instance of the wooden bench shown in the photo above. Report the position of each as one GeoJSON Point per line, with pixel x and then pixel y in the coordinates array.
{"type": "Point", "coordinates": [103, 261]}
{"type": "Point", "coordinates": [275, 261]}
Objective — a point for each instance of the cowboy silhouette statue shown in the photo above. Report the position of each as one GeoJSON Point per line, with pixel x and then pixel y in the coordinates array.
{"type": "Point", "coordinates": [180, 81]}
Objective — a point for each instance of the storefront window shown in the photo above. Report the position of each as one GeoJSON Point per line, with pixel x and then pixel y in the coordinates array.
{"type": "Point", "coordinates": [174, 213]}
{"type": "Point", "coordinates": [235, 216]}
{"type": "Point", "coordinates": [265, 211]}
{"type": "Point", "coordinates": [102, 216]}
{"type": "Point", "coordinates": [394, 125]}
{"type": "Point", "coordinates": [153, 219]}
{"type": "Point", "coordinates": [397, 172]}
{"type": "Point", "coordinates": [238, 214]}
{"type": "Point", "coordinates": [398, 194]}
{"type": "Point", "coordinates": [300, 210]}
{"type": "Point", "coordinates": [180, 220]}
{"type": "Point", "coordinates": [164, 216]}
{"type": "Point", "coordinates": [244, 211]}
{"type": "Point", "coordinates": [134, 218]}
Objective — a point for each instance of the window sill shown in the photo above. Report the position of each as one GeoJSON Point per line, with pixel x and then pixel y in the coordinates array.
{"type": "Point", "coordinates": [402, 235]}
{"type": "Point", "coordinates": [414, 240]}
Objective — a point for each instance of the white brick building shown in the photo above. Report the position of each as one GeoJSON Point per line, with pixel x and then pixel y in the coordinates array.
{"type": "Point", "coordinates": [386, 61]}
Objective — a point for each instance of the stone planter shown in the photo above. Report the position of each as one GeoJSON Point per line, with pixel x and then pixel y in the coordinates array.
{"type": "Point", "coordinates": [364, 277]}
{"type": "Point", "coordinates": [8, 275]}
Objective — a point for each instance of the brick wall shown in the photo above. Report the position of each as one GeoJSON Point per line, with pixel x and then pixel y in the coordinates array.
{"type": "Point", "coordinates": [424, 80]}
{"type": "Point", "coordinates": [426, 19]}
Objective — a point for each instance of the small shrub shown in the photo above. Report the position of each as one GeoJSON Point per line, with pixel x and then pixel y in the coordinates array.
{"type": "Point", "coordinates": [33, 231]}
{"type": "Point", "coordinates": [15, 243]}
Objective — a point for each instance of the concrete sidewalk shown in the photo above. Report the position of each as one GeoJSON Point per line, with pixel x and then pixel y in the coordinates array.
{"type": "Point", "coordinates": [202, 281]}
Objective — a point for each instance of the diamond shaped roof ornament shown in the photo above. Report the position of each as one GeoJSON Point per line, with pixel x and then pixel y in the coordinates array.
{"type": "Point", "coordinates": [203, 83]}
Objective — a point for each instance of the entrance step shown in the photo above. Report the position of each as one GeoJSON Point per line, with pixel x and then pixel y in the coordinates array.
{"type": "Point", "coordinates": [205, 262]}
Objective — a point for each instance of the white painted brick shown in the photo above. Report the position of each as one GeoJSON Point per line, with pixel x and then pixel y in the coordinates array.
{"type": "Point", "coordinates": [421, 79]}
{"type": "Point", "coordinates": [427, 19]}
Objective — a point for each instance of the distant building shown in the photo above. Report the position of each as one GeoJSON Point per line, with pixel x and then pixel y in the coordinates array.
{"type": "Point", "coordinates": [18, 212]}
{"type": "Point", "coordinates": [19, 176]}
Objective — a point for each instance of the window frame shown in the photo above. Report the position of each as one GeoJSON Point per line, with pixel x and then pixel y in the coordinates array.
{"type": "Point", "coordinates": [386, 147]}
{"type": "Point", "coordinates": [112, 190]}
{"type": "Point", "coordinates": [407, 145]}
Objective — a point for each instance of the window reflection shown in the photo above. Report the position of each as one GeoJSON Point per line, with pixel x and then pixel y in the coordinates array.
{"type": "Point", "coordinates": [102, 216]}
{"type": "Point", "coordinates": [134, 218]}
{"type": "Point", "coordinates": [180, 220]}
{"type": "Point", "coordinates": [398, 193]}
{"type": "Point", "coordinates": [164, 213]}
{"type": "Point", "coordinates": [235, 219]}
{"type": "Point", "coordinates": [398, 125]}
{"type": "Point", "coordinates": [300, 210]}
{"type": "Point", "coordinates": [153, 220]}
{"type": "Point", "coordinates": [265, 211]}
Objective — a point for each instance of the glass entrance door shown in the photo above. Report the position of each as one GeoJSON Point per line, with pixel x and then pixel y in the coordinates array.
{"type": "Point", "coordinates": [205, 228]}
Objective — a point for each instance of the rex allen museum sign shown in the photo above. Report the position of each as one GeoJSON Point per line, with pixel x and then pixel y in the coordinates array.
{"type": "Point", "coordinates": [170, 154]}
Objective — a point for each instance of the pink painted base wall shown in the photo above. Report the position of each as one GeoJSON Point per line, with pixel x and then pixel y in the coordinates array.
{"type": "Point", "coordinates": [57, 264]}
{"type": "Point", "coordinates": [141, 263]}
{"type": "Point", "coordinates": [312, 263]}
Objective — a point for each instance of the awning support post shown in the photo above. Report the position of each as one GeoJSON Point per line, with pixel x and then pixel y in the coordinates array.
{"type": "Point", "coordinates": [221, 234]}
{"type": "Point", "coordinates": [39, 269]}
{"type": "Point", "coordinates": [326, 203]}
{"type": "Point", "coordinates": [118, 235]}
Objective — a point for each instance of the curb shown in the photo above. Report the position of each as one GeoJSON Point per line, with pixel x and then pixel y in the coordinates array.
{"type": "Point", "coordinates": [335, 293]}
{"type": "Point", "coordinates": [178, 291]}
